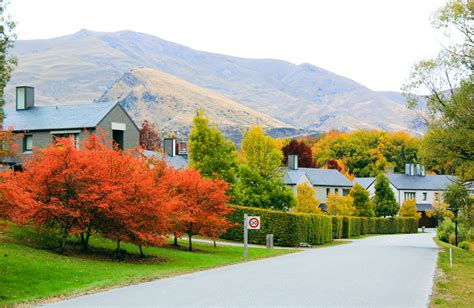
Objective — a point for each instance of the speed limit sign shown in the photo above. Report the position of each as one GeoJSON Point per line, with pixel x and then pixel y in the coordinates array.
{"type": "Point", "coordinates": [253, 222]}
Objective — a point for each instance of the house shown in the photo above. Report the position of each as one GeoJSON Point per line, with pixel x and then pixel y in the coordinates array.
{"type": "Point", "coordinates": [40, 125]}
{"type": "Point", "coordinates": [324, 181]}
{"type": "Point", "coordinates": [175, 153]}
{"type": "Point", "coordinates": [414, 184]}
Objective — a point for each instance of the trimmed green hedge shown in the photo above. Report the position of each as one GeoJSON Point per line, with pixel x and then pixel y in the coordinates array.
{"type": "Point", "coordinates": [288, 229]}
{"type": "Point", "coordinates": [364, 225]}
{"type": "Point", "coordinates": [337, 226]}
{"type": "Point", "coordinates": [354, 226]}
{"type": "Point", "coordinates": [351, 226]}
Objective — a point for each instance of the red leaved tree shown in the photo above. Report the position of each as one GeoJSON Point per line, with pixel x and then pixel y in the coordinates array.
{"type": "Point", "coordinates": [150, 138]}
{"type": "Point", "coordinates": [304, 152]}
{"type": "Point", "coordinates": [202, 206]}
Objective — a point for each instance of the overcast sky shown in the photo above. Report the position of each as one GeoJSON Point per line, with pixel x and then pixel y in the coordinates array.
{"type": "Point", "coordinates": [373, 42]}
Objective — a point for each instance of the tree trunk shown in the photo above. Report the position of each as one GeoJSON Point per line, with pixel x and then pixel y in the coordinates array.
{"type": "Point", "coordinates": [118, 249]}
{"type": "Point", "coordinates": [175, 243]}
{"type": "Point", "coordinates": [82, 239]}
{"type": "Point", "coordinates": [190, 235]}
{"type": "Point", "coordinates": [141, 251]}
{"type": "Point", "coordinates": [63, 241]}
{"type": "Point", "coordinates": [215, 245]}
{"type": "Point", "coordinates": [85, 240]}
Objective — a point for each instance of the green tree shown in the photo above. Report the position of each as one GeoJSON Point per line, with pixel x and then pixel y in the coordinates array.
{"type": "Point", "coordinates": [385, 203]}
{"type": "Point", "coordinates": [210, 153]}
{"type": "Point", "coordinates": [409, 209]}
{"type": "Point", "coordinates": [306, 202]}
{"type": "Point", "coordinates": [260, 152]}
{"type": "Point", "coordinates": [361, 201]}
{"type": "Point", "coordinates": [254, 190]}
{"type": "Point", "coordinates": [448, 146]}
{"type": "Point", "coordinates": [7, 62]}
{"type": "Point", "coordinates": [458, 198]}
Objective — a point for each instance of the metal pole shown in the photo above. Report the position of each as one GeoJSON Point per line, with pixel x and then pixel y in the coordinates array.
{"type": "Point", "coordinates": [456, 229]}
{"type": "Point", "coordinates": [450, 257]}
{"type": "Point", "coordinates": [245, 237]}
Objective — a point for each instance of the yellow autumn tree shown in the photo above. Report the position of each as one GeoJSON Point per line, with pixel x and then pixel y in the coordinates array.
{"type": "Point", "coordinates": [439, 211]}
{"type": "Point", "coordinates": [409, 209]}
{"type": "Point", "coordinates": [340, 205]}
{"type": "Point", "coordinates": [306, 202]}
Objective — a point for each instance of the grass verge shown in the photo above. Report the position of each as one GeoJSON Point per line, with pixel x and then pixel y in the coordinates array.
{"type": "Point", "coordinates": [454, 287]}
{"type": "Point", "coordinates": [29, 273]}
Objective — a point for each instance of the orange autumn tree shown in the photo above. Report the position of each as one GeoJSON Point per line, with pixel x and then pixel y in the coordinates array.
{"type": "Point", "coordinates": [202, 206]}
{"type": "Point", "coordinates": [93, 189]}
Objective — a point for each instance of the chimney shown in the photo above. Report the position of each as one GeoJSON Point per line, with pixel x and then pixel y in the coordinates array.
{"type": "Point", "coordinates": [293, 162]}
{"type": "Point", "coordinates": [25, 98]}
{"type": "Point", "coordinates": [407, 169]}
{"type": "Point", "coordinates": [423, 171]}
{"type": "Point", "coordinates": [169, 145]}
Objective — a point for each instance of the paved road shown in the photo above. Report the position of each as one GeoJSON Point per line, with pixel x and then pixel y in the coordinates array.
{"type": "Point", "coordinates": [391, 270]}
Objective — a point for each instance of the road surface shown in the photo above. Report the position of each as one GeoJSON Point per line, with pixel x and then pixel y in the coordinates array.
{"type": "Point", "coordinates": [391, 270]}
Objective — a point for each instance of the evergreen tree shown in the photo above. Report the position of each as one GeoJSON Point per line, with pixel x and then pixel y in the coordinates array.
{"type": "Point", "coordinates": [306, 202]}
{"type": "Point", "coordinates": [385, 203]}
{"type": "Point", "coordinates": [361, 201]}
{"type": "Point", "coordinates": [210, 153]}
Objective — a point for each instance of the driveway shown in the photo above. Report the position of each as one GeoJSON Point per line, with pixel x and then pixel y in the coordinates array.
{"type": "Point", "coordinates": [390, 270]}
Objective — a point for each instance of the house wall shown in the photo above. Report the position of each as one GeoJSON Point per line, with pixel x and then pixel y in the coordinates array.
{"type": "Point", "coordinates": [321, 194]}
{"type": "Point", "coordinates": [400, 194]}
{"type": "Point", "coordinates": [118, 115]}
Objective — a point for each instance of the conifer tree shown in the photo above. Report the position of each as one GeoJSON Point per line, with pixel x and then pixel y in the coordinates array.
{"type": "Point", "coordinates": [385, 203]}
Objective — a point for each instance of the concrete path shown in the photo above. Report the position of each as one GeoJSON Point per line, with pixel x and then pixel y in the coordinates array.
{"type": "Point", "coordinates": [391, 270]}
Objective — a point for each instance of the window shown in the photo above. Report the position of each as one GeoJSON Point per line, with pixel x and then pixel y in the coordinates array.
{"type": "Point", "coordinates": [345, 192]}
{"type": "Point", "coordinates": [425, 195]}
{"type": "Point", "coordinates": [437, 196]}
{"type": "Point", "coordinates": [328, 191]}
{"type": "Point", "coordinates": [28, 143]}
{"type": "Point", "coordinates": [117, 136]}
{"type": "Point", "coordinates": [336, 191]}
{"type": "Point", "coordinates": [410, 195]}
{"type": "Point", "coordinates": [75, 137]}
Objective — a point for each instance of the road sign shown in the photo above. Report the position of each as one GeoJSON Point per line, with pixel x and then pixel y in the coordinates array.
{"type": "Point", "coordinates": [254, 222]}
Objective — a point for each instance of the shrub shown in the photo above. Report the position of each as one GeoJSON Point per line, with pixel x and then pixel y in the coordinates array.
{"type": "Point", "coordinates": [364, 225]}
{"type": "Point", "coordinates": [351, 226]}
{"type": "Point", "coordinates": [464, 245]}
{"type": "Point", "coordinates": [392, 225]}
{"type": "Point", "coordinates": [288, 229]}
{"type": "Point", "coordinates": [445, 229]}
{"type": "Point", "coordinates": [337, 226]}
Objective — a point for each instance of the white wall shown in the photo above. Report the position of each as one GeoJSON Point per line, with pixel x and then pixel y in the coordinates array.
{"type": "Point", "coordinates": [400, 194]}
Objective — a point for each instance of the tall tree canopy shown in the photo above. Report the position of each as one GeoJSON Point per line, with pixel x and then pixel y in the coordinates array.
{"type": "Point", "coordinates": [150, 138]}
{"type": "Point", "coordinates": [361, 201]}
{"type": "Point", "coordinates": [448, 79]}
{"type": "Point", "coordinates": [7, 62]}
{"type": "Point", "coordinates": [306, 201]}
{"type": "Point", "coordinates": [260, 153]}
{"type": "Point", "coordinates": [366, 153]}
{"type": "Point", "coordinates": [210, 153]}
{"type": "Point", "coordinates": [304, 152]}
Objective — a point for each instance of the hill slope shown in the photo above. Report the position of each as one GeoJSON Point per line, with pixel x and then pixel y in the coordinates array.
{"type": "Point", "coordinates": [172, 103]}
{"type": "Point", "coordinates": [81, 66]}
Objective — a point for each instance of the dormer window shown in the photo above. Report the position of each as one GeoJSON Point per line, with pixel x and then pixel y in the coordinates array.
{"type": "Point", "coordinates": [25, 98]}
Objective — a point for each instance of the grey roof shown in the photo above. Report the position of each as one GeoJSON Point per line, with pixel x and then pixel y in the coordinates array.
{"type": "Point", "coordinates": [317, 177]}
{"type": "Point", "coordinates": [293, 177]}
{"type": "Point", "coordinates": [423, 207]}
{"type": "Point", "coordinates": [177, 162]}
{"type": "Point", "coordinates": [364, 182]}
{"type": "Point", "coordinates": [57, 117]}
{"type": "Point", "coordinates": [415, 182]}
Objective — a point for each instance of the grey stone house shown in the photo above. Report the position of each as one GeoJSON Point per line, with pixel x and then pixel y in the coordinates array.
{"type": "Point", "coordinates": [40, 125]}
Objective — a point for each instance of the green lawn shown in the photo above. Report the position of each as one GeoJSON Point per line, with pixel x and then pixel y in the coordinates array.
{"type": "Point", "coordinates": [454, 287]}
{"type": "Point", "coordinates": [29, 273]}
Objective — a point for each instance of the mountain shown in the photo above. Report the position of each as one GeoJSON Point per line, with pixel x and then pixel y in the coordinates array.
{"type": "Point", "coordinates": [149, 94]}
{"type": "Point", "coordinates": [82, 66]}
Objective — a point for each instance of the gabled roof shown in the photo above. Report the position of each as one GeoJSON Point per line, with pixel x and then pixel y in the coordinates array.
{"type": "Point", "coordinates": [364, 182]}
{"type": "Point", "coordinates": [415, 182]}
{"type": "Point", "coordinates": [57, 117]}
{"type": "Point", "coordinates": [317, 177]}
{"type": "Point", "coordinates": [177, 162]}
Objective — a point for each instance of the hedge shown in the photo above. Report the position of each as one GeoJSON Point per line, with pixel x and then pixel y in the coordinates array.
{"type": "Point", "coordinates": [378, 225]}
{"type": "Point", "coordinates": [288, 229]}
{"type": "Point", "coordinates": [351, 226]}
{"type": "Point", "coordinates": [337, 225]}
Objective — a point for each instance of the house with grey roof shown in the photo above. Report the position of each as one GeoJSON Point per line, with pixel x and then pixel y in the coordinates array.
{"type": "Point", "coordinates": [41, 125]}
{"type": "Point", "coordinates": [414, 184]}
{"type": "Point", "coordinates": [175, 153]}
{"type": "Point", "coordinates": [324, 181]}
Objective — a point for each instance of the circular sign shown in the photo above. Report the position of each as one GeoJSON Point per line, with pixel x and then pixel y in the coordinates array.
{"type": "Point", "coordinates": [254, 223]}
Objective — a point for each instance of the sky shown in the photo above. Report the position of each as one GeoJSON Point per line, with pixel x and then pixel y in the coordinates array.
{"type": "Point", "coordinates": [374, 42]}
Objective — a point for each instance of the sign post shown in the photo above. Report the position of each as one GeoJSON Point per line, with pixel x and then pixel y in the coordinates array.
{"type": "Point", "coordinates": [250, 222]}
